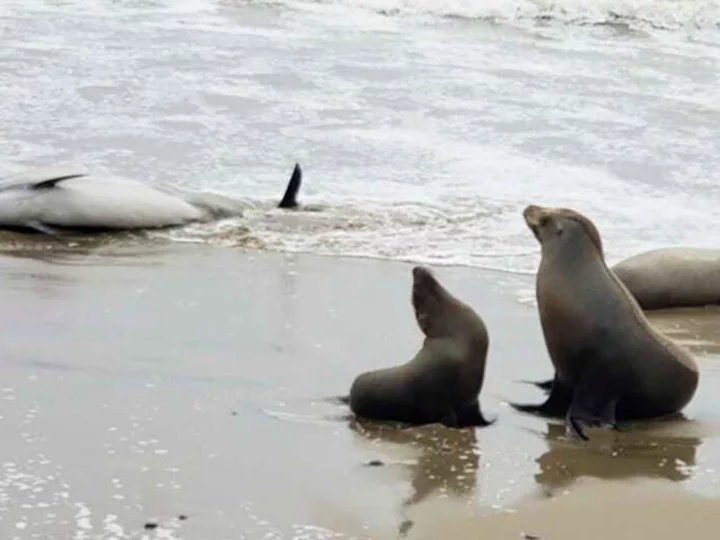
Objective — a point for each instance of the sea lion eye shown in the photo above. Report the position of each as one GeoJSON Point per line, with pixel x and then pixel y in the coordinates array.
{"type": "Point", "coordinates": [543, 221]}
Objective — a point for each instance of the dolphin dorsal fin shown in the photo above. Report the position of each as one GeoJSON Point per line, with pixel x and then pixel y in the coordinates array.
{"type": "Point", "coordinates": [289, 200]}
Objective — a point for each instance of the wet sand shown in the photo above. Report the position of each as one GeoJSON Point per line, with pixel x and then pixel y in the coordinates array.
{"type": "Point", "coordinates": [185, 386]}
{"type": "Point", "coordinates": [594, 510]}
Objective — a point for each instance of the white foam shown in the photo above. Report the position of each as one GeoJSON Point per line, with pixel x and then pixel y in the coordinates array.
{"type": "Point", "coordinates": [669, 14]}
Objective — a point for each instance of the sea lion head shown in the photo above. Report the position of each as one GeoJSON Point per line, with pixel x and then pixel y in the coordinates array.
{"type": "Point", "coordinates": [440, 314]}
{"type": "Point", "coordinates": [553, 226]}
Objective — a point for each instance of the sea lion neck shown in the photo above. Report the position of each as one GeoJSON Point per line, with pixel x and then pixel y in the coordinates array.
{"type": "Point", "coordinates": [572, 253]}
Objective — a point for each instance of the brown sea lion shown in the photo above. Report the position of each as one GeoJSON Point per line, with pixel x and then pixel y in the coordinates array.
{"type": "Point", "coordinates": [442, 383]}
{"type": "Point", "coordinates": [610, 364]}
{"type": "Point", "coordinates": [672, 277]}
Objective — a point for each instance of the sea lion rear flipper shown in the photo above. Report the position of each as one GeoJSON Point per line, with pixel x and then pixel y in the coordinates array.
{"type": "Point", "coordinates": [556, 405]}
{"type": "Point", "coordinates": [594, 403]}
{"type": "Point", "coordinates": [289, 200]}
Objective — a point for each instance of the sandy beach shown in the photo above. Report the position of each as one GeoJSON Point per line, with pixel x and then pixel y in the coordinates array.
{"type": "Point", "coordinates": [184, 387]}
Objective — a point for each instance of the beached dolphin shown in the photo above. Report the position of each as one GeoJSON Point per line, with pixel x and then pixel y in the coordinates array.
{"type": "Point", "coordinates": [52, 200]}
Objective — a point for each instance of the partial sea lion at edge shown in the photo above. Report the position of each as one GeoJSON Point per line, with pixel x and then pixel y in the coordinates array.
{"type": "Point", "coordinates": [672, 277]}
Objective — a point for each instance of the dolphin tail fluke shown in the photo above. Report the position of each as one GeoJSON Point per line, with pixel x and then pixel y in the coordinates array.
{"type": "Point", "coordinates": [289, 200]}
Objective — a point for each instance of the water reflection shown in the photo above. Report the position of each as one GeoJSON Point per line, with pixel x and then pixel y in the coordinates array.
{"type": "Point", "coordinates": [640, 452]}
{"type": "Point", "coordinates": [446, 463]}
{"type": "Point", "coordinates": [48, 256]}
{"type": "Point", "coordinates": [79, 248]}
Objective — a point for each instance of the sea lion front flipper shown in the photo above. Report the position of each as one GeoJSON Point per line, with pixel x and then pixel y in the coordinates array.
{"type": "Point", "coordinates": [594, 403]}
{"type": "Point", "coordinates": [556, 405]}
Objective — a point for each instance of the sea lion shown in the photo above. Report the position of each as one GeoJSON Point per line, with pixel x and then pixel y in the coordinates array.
{"type": "Point", "coordinates": [610, 364]}
{"type": "Point", "coordinates": [51, 200]}
{"type": "Point", "coordinates": [441, 384]}
{"type": "Point", "coordinates": [672, 277]}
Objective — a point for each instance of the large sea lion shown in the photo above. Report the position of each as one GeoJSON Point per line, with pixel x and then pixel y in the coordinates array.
{"type": "Point", "coordinates": [441, 384]}
{"type": "Point", "coordinates": [610, 364]}
{"type": "Point", "coordinates": [672, 277]}
{"type": "Point", "coordinates": [51, 200]}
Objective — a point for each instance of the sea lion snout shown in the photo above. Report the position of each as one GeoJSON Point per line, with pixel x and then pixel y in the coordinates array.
{"type": "Point", "coordinates": [531, 214]}
{"type": "Point", "coordinates": [424, 284]}
{"type": "Point", "coordinates": [535, 215]}
{"type": "Point", "coordinates": [426, 287]}
{"type": "Point", "coordinates": [422, 276]}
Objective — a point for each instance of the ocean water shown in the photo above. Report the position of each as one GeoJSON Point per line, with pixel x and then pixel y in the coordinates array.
{"type": "Point", "coordinates": [423, 126]}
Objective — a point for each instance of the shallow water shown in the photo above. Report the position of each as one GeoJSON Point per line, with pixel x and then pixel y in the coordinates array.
{"type": "Point", "coordinates": [144, 384]}
{"type": "Point", "coordinates": [423, 127]}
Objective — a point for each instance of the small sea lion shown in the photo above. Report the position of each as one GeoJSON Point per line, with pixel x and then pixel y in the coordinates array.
{"type": "Point", "coordinates": [610, 364]}
{"type": "Point", "coordinates": [53, 200]}
{"type": "Point", "coordinates": [441, 384]}
{"type": "Point", "coordinates": [672, 277]}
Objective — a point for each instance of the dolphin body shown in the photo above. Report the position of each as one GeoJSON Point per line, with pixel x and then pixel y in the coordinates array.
{"type": "Point", "coordinates": [53, 200]}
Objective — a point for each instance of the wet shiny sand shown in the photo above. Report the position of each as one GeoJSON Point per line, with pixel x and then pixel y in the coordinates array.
{"type": "Point", "coordinates": [184, 386]}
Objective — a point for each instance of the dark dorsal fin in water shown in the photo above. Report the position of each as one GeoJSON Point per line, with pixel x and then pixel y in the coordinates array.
{"type": "Point", "coordinates": [47, 184]}
{"type": "Point", "coordinates": [289, 200]}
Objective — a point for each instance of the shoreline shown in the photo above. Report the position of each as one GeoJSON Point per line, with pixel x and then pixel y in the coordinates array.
{"type": "Point", "coordinates": [11, 243]}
